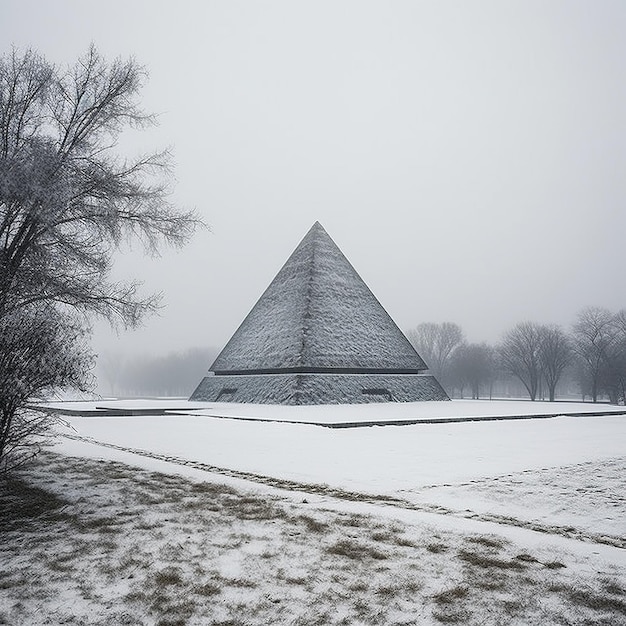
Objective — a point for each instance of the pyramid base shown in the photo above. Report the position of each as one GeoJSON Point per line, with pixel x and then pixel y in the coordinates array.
{"type": "Point", "coordinates": [306, 389]}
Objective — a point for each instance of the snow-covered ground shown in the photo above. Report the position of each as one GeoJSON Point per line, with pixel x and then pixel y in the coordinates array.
{"type": "Point", "coordinates": [380, 459]}
{"type": "Point", "coordinates": [560, 472]}
{"type": "Point", "coordinates": [401, 411]}
{"type": "Point", "coordinates": [342, 414]}
{"type": "Point", "coordinates": [495, 508]}
{"type": "Point", "coordinates": [108, 543]}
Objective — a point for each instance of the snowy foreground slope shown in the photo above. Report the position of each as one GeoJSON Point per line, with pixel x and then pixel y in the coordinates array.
{"type": "Point", "coordinates": [257, 522]}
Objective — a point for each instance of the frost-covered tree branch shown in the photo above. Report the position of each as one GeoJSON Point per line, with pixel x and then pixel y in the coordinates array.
{"type": "Point", "coordinates": [68, 200]}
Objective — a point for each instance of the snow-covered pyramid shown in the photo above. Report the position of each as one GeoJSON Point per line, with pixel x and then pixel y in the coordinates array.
{"type": "Point", "coordinates": [318, 335]}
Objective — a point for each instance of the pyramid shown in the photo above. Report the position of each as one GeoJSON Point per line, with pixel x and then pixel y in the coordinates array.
{"type": "Point", "coordinates": [318, 335]}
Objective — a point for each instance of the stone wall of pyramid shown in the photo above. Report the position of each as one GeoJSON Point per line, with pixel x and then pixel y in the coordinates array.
{"type": "Point", "coordinates": [300, 389]}
{"type": "Point", "coordinates": [318, 335]}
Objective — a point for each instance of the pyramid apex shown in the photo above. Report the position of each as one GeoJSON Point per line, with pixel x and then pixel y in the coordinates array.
{"type": "Point", "coordinates": [318, 314]}
{"type": "Point", "coordinates": [316, 231]}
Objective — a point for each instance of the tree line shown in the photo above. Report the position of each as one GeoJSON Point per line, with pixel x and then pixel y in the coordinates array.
{"type": "Point", "coordinates": [172, 374]}
{"type": "Point", "coordinates": [590, 356]}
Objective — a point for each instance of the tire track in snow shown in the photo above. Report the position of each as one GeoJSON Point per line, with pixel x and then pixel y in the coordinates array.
{"type": "Point", "coordinates": [354, 496]}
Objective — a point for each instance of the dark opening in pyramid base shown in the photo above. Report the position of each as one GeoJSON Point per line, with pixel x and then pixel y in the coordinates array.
{"type": "Point", "coordinates": [302, 389]}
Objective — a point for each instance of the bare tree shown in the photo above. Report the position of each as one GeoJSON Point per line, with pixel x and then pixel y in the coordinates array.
{"type": "Point", "coordinates": [67, 202]}
{"type": "Point", "coordinates": [594, 341]}
{"type": "Point", "coordinates": [620, 325]}
{"type": "Point", "coordinates": [555, 354]}
{"type": "Point", "coordinates": [613, 370]}
{"type": "Point", "coordinates": [67, 199]}
{"type": "Point", "coordinates": [473, 365]}
{"type": "Point", "coordinates": [520, 355]}
{"type": "Point", "coordinates": [436, 344]}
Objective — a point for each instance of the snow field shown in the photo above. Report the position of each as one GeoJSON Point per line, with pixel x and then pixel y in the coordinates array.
{"type": "Point", "coordinates": [564, 472]}
{"type": "Point", "coordinates": [191, 519]}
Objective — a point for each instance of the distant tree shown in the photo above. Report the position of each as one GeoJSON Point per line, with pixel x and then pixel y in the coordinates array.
{"type": "Point", "coordinates": [68, 199]}
{"type": "Point", "coordinates": [580, 375]}
{"type": "Point", "coordinates": [111, 372]}
{"type": "Point", "coordinates": [520, 355]}
{"type": "Point", "coordinates": [473, 365]}
{"type": "Point", "coordinates": [595, 340]}
{"type": "Point", "coordinates": [613, 371]}
{"type": "Point", "coordinates": [555, 354]}
{"type": "Point", "coordinates": [172, 374]}
{"type": "Point", "coordinates": [620, 357]}
{"type": "Point", "coordinates": [436, 344]}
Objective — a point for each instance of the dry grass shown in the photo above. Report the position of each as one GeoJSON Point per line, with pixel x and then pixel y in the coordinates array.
{"type": "Point", "coordinates": [494, 543]}
{"type": "Point", "coordinates": [436, 548]}
{"type": "Point", "coordinates": [208, 589]}
{"type": "Point", "coordinates": [355, 550]}
{"type": "Point", "coordinates": [312, 524]}
{"type": "Point", "coordinates": [451, 595]}
{"type": "Point", "coordinates": [164, 550]}
{"type": "Point", "coordinates": [450, 605]}
{"type": "Point", "coordinates": [600, 602]}
{"type": "Point", "coordinates": [482, 560]}
{"type": "Point", "coordinates": [23, 505]}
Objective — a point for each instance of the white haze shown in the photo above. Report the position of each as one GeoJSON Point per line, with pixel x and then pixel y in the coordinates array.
{"type": "Point", "coordinates": [468, 158]}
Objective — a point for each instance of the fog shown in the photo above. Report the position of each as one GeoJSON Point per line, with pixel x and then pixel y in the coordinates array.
{"type": "Point", "coordinates": [468, 158]}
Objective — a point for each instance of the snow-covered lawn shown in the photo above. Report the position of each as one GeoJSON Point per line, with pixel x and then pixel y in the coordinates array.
{"type": "Point", "coordinates": [389, 412]}
{"type": "Point", "coordinates": [345, 414]}
{"type": "Point", "coordinates": [496, 522]}
{"type": "Point", "coordinates": [116, 544]}
{"type": "Point", "coordinates": [560, 471]}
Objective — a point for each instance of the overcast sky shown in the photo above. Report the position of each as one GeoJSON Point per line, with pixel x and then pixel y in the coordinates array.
{"type": "Point", "coordinates": [469, 158]}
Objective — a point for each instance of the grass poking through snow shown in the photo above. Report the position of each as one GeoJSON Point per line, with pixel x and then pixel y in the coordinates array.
{"type": "Point", "coordinates": [96, 543]}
